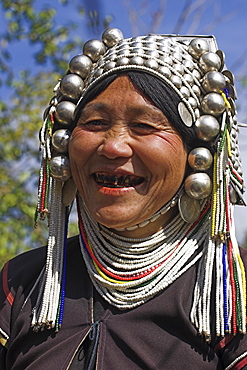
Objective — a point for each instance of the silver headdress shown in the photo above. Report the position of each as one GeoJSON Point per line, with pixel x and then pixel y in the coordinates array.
{"type": "Point", "coordinates": [194, 68]}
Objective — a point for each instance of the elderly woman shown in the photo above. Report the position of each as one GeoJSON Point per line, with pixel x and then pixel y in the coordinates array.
{"type": "Point", "coordinates": [155, 279]}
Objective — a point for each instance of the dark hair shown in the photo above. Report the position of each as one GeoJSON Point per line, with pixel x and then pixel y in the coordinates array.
{"type": "Point", "coordinates": [162, 95]}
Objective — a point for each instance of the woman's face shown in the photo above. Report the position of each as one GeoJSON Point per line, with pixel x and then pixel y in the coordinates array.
{"type": "Point", "coordinates": [127, 160]}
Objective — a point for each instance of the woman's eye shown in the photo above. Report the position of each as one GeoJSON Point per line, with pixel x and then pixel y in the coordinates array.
{"type": "Point", "coordinates": [143, 127]}
{"type": "Point", "coordinates": [95, 124]}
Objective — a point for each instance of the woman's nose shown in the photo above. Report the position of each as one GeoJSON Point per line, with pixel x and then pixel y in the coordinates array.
{"type": "Point", "coordinates": [115, 144]}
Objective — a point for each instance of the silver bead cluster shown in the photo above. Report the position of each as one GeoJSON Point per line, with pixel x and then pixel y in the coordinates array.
{"type": "Point", "coordinates": [190, 67]}
{"type": "Point", "coordinates": [68, 92]}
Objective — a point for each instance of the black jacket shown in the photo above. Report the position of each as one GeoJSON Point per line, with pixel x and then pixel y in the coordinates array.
{"type": "Point", "coordinates": [156, 335]}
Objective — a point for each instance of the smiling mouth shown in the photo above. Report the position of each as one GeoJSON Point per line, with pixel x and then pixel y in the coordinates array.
{"type": "Point", "coordinates": [117, 181]}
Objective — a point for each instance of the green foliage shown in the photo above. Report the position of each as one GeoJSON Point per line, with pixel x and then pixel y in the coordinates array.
{"type": "Point", "coordinates": [20, 121]}
{"type": "Point", "coordinates": [21, 115]}
{"type": "Point", "coordinates": [39, 28]}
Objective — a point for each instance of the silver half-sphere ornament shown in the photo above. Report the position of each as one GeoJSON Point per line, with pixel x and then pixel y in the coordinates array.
{"type": "Point", "coordinates": [109, 65]}
{"type": "Point", "coordinates": [176, 80]}
{"type": "Point", "coordinates": [72, 86]}
{"type": "Point", "coordinates": [214, 81]}
{"type": "Point", "coordinates": [137, 61]}
{"type": "Point", "coordinates": [198, 185]}
{"type": "Point", "coordinates": [94, 49]}
{"type": "Point", "coordinates": [189, 64]}
{"type": "Point", "coordinates": [165, 71]}
{"type": "Point", "coordinates": [210, 62]}
{"type": "Point", "coordinates": [200, 159]}
{"type": "Point", "coordinates": [64, 112]}
{"type": "Point", "coordinates": [81, 65]}
{"type": "Point", "coordinates": [112, 36]}
{"type": "Point", "coordinates": [122, 61]}
{"type": "Point", "coordinates": [229, 76]}
{"type": "Point", "coordinates": [189, 208]}
{"type": "Point", "coordinates": [60, 168]}
{"type": "Point", "coordinates": [197, 47]}
{"type": "Point", "coordinates": [60, 140]}
{"type": "Point", "coordinates": [150, 63]}
{"type": "Point", "coordinates": [68, 192]}
{"type": "Point", "coordinates": [207, 127]}
{"type": "Point", "coordinates": [213, 103]}
{"type": "Point", "coordinates": [221, 55]}
{"type": "Point", "coordinates": [98, 72]}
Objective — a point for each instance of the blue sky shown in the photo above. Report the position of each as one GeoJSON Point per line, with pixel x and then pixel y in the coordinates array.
{"type": "Point", "coordinates": [225, 19]}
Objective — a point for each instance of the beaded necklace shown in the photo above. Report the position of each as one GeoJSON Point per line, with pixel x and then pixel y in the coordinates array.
{"type": "Point", "coordinates": [127, 272]}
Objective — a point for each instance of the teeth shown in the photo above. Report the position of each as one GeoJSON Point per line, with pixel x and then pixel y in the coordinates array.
{"type": "Point", "coordinates": [127, 181]}
{"type": "Point", "coordinates": [115, 181]}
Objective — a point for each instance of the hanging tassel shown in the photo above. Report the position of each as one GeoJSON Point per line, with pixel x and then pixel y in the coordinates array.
{"type": "Point", "coordinates": [46, 312]}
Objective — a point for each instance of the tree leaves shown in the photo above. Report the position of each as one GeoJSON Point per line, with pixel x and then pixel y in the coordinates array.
{"type": "Point", "coordinates": [21, 116]}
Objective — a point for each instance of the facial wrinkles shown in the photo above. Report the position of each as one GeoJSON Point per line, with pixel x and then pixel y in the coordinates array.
{"type": "Point", "coordinates": [156, 156]}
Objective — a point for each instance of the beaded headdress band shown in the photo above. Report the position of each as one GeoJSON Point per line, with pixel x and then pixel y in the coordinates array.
{"type": "Point", "coordinates": [194, 68]}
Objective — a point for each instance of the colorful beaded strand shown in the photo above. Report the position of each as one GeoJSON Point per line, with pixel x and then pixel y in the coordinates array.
{"type": "Point", "coordinates": [59, 318]}
{"type": "Point", "coordinates": [226, 326]}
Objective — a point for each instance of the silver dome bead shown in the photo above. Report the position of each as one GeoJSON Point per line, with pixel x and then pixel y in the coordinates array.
{"type": "Point", "coordinates": [197, 113]}
{"type": "Point", "coordinates": [152, 53]}
{"type": "Point", "coordinates": [189, 64]}
{"type": "Point", "coordinates": [207, 128]}
{"type": "Point", "coordinates": [210, 62]}
{"type": "Point", "coordinates": [192, 102]}
{"type": "Point", "coordinates": [110, 56]}
{"type": "Point", "coordinates": [137, 61]}
{"type": "Point", "coordinates": [109, 65]}
{"type": "Point", "coordinates": [198, 185]}
{"type": "Point", "coordinates": [176, 81]}
{"type": "Point", "coordinates": [60, 140]}
{"type": "Point", "coordinates": [150, 38]}
{"type": "Point", "coordinates": [94, 49]}
{"type": "Point", "coordinates": [213, 103]}
{"type": "Point", "coordinates": [98, 72]}
{"type": "Point", "coordinates": [122, 61]}
{"type": "Point", "coordinates": [136, 44]}
{"type": "Point", "coordinates": [150, 63]}
{"type": "Point", "coordinates": [162, 48]}
{"type": "Point", "coordinates": [72, 86]}
{"type": "Point", "coordinates": [136, 39]}
{"type": "Point", "coordinates": [123, 44]}
{"type": "Point", "coordinates": [112, 36]}
{"type": "Point", "coordinates": [60, 168]}
{"type": "Point", "coordinates": [200, 159]}
{"type": "Point", "coordinates": [166, 59]}
{"type": "Point", "coordinates": [185, 92]}
{"type": "Point", "coordinates": [189, 79]}
{"type": "Point", "coordinates": [197, 47]}
{"type": "Point", "coordinates": [138, 51]}
{"type": "Point", "coordinates": [124, 52]}
{"type": "Point", "coordinates": [179, 68]}
{"type": "Point", "coordinates": [165, 71]}
{"type": "Point", "coordinates": [177, 49]}
{"type": "Point", "coordinates": [214, 81]}
{"type": "Point", "coordinates": [196, 90]}
{"type": "Point", "coordinates": [110, 53]}
{"type": "Point", "coordinates": [64, 112]}
{"type": "Point", "coordinates": [81, 65]}
{"type": "Point", "coordinates": [150, 45]}
{"type": "Point", "coordinates": [177, 56]}
{"type": "Point", "coordinates": [196, 74]}
{"type": "Point", "coordinates": [101, 62]}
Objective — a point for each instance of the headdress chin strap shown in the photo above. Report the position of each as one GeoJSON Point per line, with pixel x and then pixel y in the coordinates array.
{"type": "Point", "coordinates": [194, 68]}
